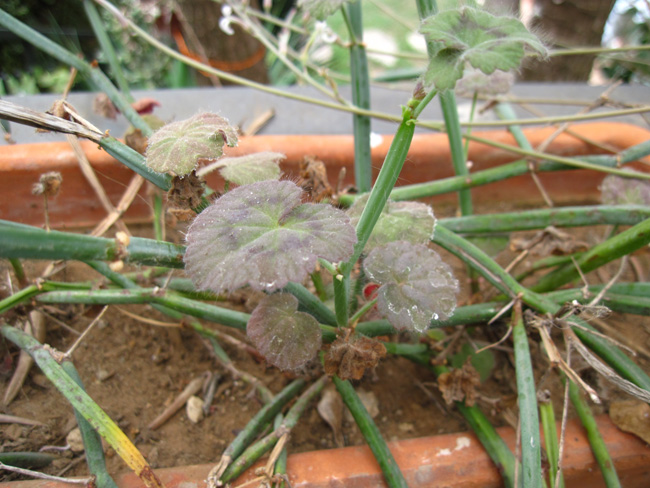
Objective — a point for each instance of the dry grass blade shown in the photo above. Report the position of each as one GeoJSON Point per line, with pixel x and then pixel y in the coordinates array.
{"type": "Point", "coordinates": [12, 419]}
{"type": "Point", "coordinates": [91, 177]}
{"type": "Point", "coordinates": [39, 475]}
{"type": "Point", "coordinates": [608, 373]}
{"type": "Point", "coordinates": [16, 113]}
{"type": "Point", "coordinates": [35, 326]}
{"type": "Point", "coordinates": [556, 359]}
{"type": "Point", "coordinates": [125, 202]}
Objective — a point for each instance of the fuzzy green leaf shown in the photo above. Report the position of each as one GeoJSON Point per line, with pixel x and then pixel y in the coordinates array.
{"type": "Point", "coordinates": [177, 147]}
{"type": "Point", "coordinates": [417, 286]}
{"type": "Point", "coordinates": [405, 221]}
{"type": "Point", "coordinates": [321, 9]}
{"type": "Point", "coordinates": [471, 36]}
{"type": "Point", "coordinates": [252, 168]}
{"type": "Point", "coordinates": [285, 337]}
{"type": "Point", "coordinates": [261, 235]}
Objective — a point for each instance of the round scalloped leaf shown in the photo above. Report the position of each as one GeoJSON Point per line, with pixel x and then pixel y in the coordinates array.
{"type": "Point", "coordinates": [177, 147]}
{"type": "Point", "coordinates": [287, 338]}
{"type": "Point", "coordinates": [262, 236]}
{"type": "Point", "coordinates": [471, 36]}
{"type": "Point", "coordinates": [406, 221]}
{"type": "Point", "coordinates": [244, 170]}
{"type": "Point", "coordinates": [321, 9]}
{"type": "Point", "coordinates": [417, 286]}
{"type": "Point", "coordinates": [617, 190]}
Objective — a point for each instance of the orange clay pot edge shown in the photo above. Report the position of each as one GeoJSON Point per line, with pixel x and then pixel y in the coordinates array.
{"type": "Point", "coordinates": [453, 460]}
{"type": "Point", "coordinates": [428, 159]}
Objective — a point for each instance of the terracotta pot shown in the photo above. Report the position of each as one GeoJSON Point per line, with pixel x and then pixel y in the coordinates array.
{"type": "Point", "coordinates": [455, 460]}
{"type": "Point", "coordinates": [429, 159]}
{"type": "Point", "coordinates": [452, 460]}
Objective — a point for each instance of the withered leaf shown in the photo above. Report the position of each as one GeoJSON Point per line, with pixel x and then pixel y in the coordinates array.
{"type": "Point", "coordinates": [102, 105]}
{"type": "Point", "coordinates": [186, 192]}
{"type": "Point", "coordinates": [632, 416]}
{"type": "Point", "coordinates": [313, 179]}
{"type": "Point", "coordinates": [349, 358]}
{"type": "Point", "coordinates": [460, 384]}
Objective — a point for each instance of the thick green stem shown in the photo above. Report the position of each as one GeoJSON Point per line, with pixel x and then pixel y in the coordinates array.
{"type": "Point", "coordinates": [393, 475]}
{"type": "Point", "coordinates": [598, 446]}
{"type": "Point", "coordinates": [613, 248]}
{"type": "Point", "coordinates": [24, 241]}
{"type": "Point", "coordinates": [224, 316]}
{"type": "Point", "coordinates": [547, 416]}
{"type": "Point", "coordinates": [454, 133]}
{"type": "Point", "coordinates": [545, 217]}
{"type": "Point", "coordinates": [262, 418]}
{"type": "Point", "coordinates": [135, 161]}
{"type": "Point", "coordinates": [386, 179]}
{"type": "Point", "coordinates": [360, 97]}
{"type": "Point", "coordinates": [254, 452]}
{"type": "Point", "coordinates": [531, 457]}
{"type": "Point", "coordinates": [496, 275]}
{"type": "Point", "coordinates": [312, 304]}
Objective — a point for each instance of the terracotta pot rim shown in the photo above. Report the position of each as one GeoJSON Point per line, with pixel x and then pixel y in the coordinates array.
{"type": "Point", "coordinates": [452, 460]}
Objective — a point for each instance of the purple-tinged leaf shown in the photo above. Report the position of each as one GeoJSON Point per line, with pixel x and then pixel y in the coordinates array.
{"type": "Point", "coordinates": [177, 147]}
{"type": "Point", "coordinates": [404, 221]}
{"type": "Point", "coordinates": [417, 286]}
{"type": "Point", "coordinates": [261, 235]}
{"type": "Point", "coordinates": [285, 337]}
{"type": "Point", "coordinates": [616, 190]}
{"type": "Point", "coordinates": [244, 170]}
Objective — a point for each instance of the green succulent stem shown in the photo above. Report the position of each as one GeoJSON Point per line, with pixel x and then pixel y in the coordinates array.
{"type": "Point", "coordinates": [598, 446]}
{"type": "Point", "coordinates": [541, 218]}
{"type": "Point", "coordinates": [547, 416]}
{"type": "Point", "coordinates": [496, 275]}
{"type": "Point", "coordinates": [360, 96]}
{"type": "Point", "coordinates": [255, 451]}
{"type": "Point", "coordinates": [392, 474]}
{"type": "Point", "coordinates": [607, 251]}
{"type": "Point", "coordinates": [24, 241]}
{"type": "Point", "coordinates": [262, 419]}
{"type": "Point", "coordinates": [531, 458]}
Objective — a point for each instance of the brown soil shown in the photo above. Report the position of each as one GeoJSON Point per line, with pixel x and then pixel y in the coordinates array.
{"type": "Point", "coordinates": [133, 370]}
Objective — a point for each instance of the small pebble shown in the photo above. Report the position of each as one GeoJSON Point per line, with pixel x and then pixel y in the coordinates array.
{"type": "Point", "coordinates": [75, 441]}
{"type": "Point", "coordinates": [194, 409]}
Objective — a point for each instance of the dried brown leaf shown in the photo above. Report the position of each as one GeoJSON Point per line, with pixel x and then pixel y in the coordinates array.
{"type": "Point", "coordinates": [102, 105]}
{"type": "Point", "coordinates": [313, 179]}
{"type": "Point", "coordinates": [330, 408]}
{"type": "Point", "coordinates": [460, 384]}
{"type": "Point", "coordinates": [186, 192]}
{"type": "Point", "coordinates": [632, 416]}
{"type": "Point", "coordinates": [349, 358]}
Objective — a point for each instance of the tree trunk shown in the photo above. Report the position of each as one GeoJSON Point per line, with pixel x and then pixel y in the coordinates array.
{"type": "Point", "coordinates": [567, 23]}
{"type": "Point", "coordinates": [239, 54]}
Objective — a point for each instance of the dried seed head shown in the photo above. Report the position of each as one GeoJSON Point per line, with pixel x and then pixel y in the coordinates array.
{"type": "Point", "coordinates": [48, 184]}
